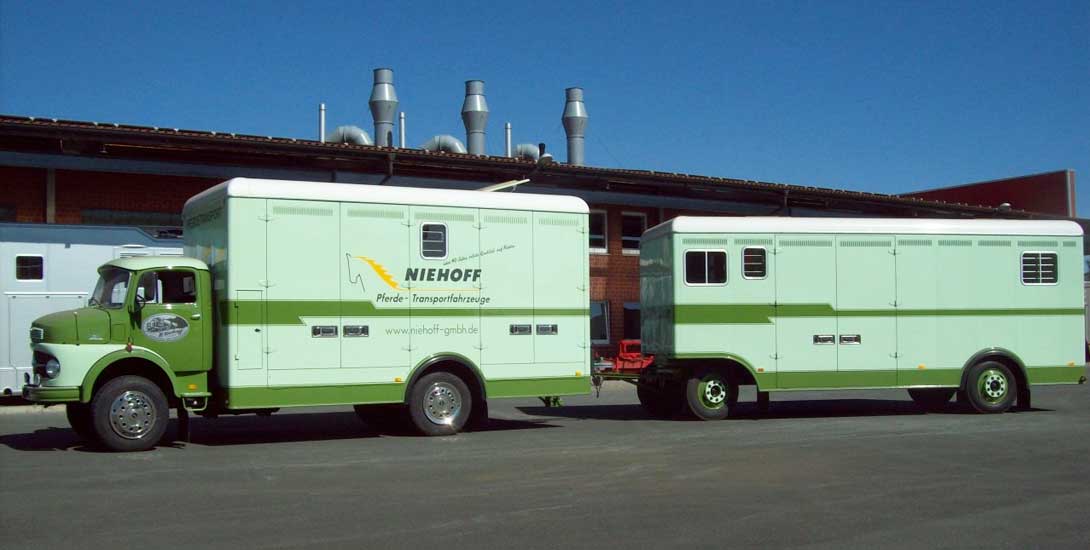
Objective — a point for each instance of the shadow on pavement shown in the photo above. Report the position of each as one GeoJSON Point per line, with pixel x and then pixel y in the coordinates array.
{"type": "Point", "coordinates": [816, 408]}
{"type": "Point", "coordinates": [251, 430]}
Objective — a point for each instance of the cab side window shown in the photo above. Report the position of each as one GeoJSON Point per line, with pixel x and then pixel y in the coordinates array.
{"type": "Point", "coordinates": [168, 287]}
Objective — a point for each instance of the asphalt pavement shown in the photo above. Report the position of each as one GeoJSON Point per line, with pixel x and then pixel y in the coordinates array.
{"type": "Point", "coordinates": [819, 470]}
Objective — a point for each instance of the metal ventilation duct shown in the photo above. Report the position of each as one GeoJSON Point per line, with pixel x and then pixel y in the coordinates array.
{"type": "Point", "coordinates": [383, 106]}
{"type": "Point", "coordinates": [575, 124]}
{"type": "Point", "coordinates": [527, 151]}
{"type": "Point", "coordinates": [475, 116]}
{"type": "Point", "coordinates": [445, 143]}
{"type": "Point", "coordinates": [348, 134]}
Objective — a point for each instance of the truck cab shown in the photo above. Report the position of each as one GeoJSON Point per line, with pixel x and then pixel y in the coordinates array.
{"type": "Point", "coordinates": [141, 345]}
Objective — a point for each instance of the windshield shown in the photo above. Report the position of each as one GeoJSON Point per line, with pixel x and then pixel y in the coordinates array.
{"type": "Point", "coordinates": [113, 284]}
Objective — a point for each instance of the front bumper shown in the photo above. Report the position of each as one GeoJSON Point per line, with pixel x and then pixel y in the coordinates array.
{"type": "Point", "coordinates": [41, 394]}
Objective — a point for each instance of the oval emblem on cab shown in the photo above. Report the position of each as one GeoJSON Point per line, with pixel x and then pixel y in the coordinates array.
{"type": "Point", "coordinates": [165, 327]}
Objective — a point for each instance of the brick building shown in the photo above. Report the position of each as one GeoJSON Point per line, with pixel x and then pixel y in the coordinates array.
{"type": "Point", "coordinates": [104, 174]}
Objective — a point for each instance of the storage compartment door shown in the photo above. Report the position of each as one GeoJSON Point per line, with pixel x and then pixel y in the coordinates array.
{"type": "Point", "coordinates": [507, 275]}
{"type": "Point", "coordinates": [866, 315]}
{"type": "Point", "coordinates": [560, 288]}
{"type": "Point", "coordinates": [806, 348]}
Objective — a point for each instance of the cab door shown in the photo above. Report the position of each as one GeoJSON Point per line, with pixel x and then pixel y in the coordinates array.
{"type": "Point", "coordinates": [169, 319]}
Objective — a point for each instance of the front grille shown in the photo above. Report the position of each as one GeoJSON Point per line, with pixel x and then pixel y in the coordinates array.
{"type": "Point", "coordinates": [37, 334]}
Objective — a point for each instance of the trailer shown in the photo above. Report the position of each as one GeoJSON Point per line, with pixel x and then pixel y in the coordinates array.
{"type": "Point", "coordinates": [406, 303]}
{"type": "Point", "coordinates": [979, 308]}
{"type": "Point", "coordinates": [46, 268]}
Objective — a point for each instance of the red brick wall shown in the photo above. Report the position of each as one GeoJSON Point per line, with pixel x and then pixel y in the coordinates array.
{"type": "Point", "coordinates": [129, 192]}
{"type": "Point", "coordinates": [24, 190]}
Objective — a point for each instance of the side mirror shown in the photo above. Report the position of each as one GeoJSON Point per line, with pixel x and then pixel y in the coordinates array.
{"type": "Point", "coordinates": [137, 304]}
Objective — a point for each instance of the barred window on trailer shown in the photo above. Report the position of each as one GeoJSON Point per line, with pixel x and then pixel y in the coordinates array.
{"type": "Point", "coordinates": [433, 240]}
{"type": "Point", "coordinates": [705, 267]}
{"type": "Point", "coordinates": [1040, 268]}
{"type": "Point", "coordinates": [29, 268]}
{"type": "Point", "coordinates": [754, 263]}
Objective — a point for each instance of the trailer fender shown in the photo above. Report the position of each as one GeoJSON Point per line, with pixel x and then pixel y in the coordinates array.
{"type": "Point", "coordinates": [425, 365]}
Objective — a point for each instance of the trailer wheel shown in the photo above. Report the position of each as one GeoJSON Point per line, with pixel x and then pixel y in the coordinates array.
{"type": "Point", "coordinates": [660, 403]}
{"type": "Point", "coordinates": [440, 404]}
{"type": "Point", "coordinates": [385, 418]}
{"type": "Point", "coordinates": [129, 413]}
{"type": "Point", "coordinates": [711, 394]}
{"type": "Point", "coordinates": [79, 417]}
{"type": "Point", "coordinates": [931, 398]}
{"type": "Point", "coordinates": [990, 387]}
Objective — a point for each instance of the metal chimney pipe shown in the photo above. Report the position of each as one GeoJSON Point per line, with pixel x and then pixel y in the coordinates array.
{"type": "Point", "coordinates": [475, 116]}
{"type": "Point", "coordinates": [321, 122]}
{"type": "Point", "coordinates": [507, 139]}
{"type": "Point", "coordinates": [575, 124]}
{"type": "Point", "coordinates": [401, 129]}
{"type": "Point", "coordinates": [383, 106]}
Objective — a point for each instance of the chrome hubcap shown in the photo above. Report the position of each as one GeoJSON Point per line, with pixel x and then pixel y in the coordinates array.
{"type": "Point", "coordinates": [442, 403]}
{"type": "Point", "coordinates": [714, 392]}
{"type": "Point", "coordinates": [993, 385]}
{"type": "Point", "coordinates": [132, 415]}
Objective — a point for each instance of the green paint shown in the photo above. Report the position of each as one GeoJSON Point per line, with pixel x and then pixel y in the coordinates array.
{"type": "Point", "coordinates": [837, 379]}
{"type": "Point", "coordinates": [708, 314]}
{"type": "Point", "coordinates": [291, 312]}
{"type": "Point", "coordinates": [39, 394]}
{"type": "Point", "coordinates": [1055, 375]}
{"type": "Point", "coordinates": [535, 387]}
{"type": "Point", "coordinates": [299, 396]}
{"type": "Point", "coordinates": [929, 377]}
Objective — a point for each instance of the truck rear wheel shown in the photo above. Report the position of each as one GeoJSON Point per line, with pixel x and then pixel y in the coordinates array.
{"type": "Point", "coordinates": [990, 387]}
{"type": "Point", "coordinates": [660, 403]}
{"type": "Point", "coordinates": [129, 413]}
{"type": "Point", "coordinates": [931, 398]}
{"type": "Point", "coordinates": [79, 417]}
{"type": "Point", "coordinates": [711, 394]}
{"type": "Point", "coordinates": [440, 404]}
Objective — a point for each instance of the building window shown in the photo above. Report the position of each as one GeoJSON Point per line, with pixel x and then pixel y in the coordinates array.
{"type": "Point", "coordinates": [598, 236]}
{"type": "Point", "coordinates": [631, 320]}
{"type": "Point", "coordinates": [433, 240]}
{"type": "Point", "coordinates": [633, 224]}
{"type": "Point", "coordinates": [599, 322]}
{"type": "Point", "coordinates": [29, 268]}
{"type": "Point", "coordinates": [705, 267]}
{"type": "Point", "coordinates": [754, 263]}
{"type": "Point", "coordinates": [1040, 268]}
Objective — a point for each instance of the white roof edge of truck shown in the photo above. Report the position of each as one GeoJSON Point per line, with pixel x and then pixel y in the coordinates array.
{"type": "Point", "coordinates": [385, 194]}
{"type": "Point", "coordinates": [876, 226]}
{"type": "Point", "coordinates": [136, 263]}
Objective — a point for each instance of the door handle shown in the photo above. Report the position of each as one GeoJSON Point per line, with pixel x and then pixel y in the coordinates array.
{"type": "Point", "coordinates": [195, 316]}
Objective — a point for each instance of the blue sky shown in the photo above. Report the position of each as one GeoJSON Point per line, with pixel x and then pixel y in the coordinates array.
{"type": "Point", "coordinates": [878, 96]}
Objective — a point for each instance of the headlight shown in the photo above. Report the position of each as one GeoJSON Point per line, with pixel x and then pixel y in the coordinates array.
{"type": "Point", "coordinates": [52, 368]}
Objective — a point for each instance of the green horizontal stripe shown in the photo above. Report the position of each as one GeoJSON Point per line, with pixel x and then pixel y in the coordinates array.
{"type": "Point", "coordinates": [536, 387]}
{"type": "Point", "coordinates": [1055, 375]}
{"type": "Point", "coordinates": [291, 312]}
{"type": "Point", "coordinates": [705, 314]}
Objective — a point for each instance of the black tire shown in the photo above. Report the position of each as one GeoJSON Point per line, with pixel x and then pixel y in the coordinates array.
{"type": "Point", "coordinates": [440, 404]}
{"type": "Point", "coordinates": [79, 417]}
{"type": "Point", "coordinates": [931, 399]}
{"type": "Point", "coordinates": [990, 387]}
{"type": "Point", "coordinates": [711, 394]}
{"type": "Point", "coordinates": [660, 403]}
{"type": "Point", "coordinates": [386, 418]}
{"type": "Point", "coordinates": [133, 406]}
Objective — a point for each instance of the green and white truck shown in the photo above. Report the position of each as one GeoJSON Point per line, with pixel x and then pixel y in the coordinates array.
{"type": "Point", "coordinates": [401, 301]}
{"type": "Point", "coordinates": [982, 308]}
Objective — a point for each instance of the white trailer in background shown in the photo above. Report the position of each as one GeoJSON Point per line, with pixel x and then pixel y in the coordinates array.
{"type": "Point", "coordinates": [46, 268]}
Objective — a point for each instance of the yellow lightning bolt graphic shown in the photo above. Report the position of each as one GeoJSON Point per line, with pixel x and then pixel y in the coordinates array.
{"type": "Point", "coordinates": [381, 272]}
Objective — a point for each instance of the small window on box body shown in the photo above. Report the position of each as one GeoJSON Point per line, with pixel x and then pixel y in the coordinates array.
{"type": "Point", "coordinates": [29, 268]}
{"type": "Point", "coordinates": [705, 267]}
{"type": "Point", "coordinates": [754, 263]}
{"type": "Point", "coordinates": [433, 240]}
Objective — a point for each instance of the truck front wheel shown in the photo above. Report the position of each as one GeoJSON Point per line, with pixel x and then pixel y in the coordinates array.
{"type": "Point", "coordinates": [440, 404]}
{"type": "Point", "coordinates": [711, 394]}
{"type": "Point", "coordinates": [79, 417]}
{"type": "Point", "coordinates": [129, 413]}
